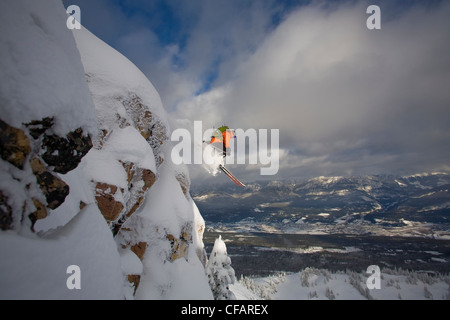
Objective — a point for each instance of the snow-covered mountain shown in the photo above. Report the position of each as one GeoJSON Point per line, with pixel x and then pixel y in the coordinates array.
{"type": "Point", "coordinates": [419, 202]}
{"type": "Point", "coordinates": [91, 206]}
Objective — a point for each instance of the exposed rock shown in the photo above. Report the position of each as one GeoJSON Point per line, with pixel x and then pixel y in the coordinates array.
{"type": "Point", "coordinates": [149, 179]}
{"type": "Point", "coordinates": [139, 113]}
{"type": "Point", "coordinates": [134, 279]}
{"type": "Point", "coordinates": [102, 135]}
{"type": "Point", "coordinates": [39, 213]}
{"type": "Point", "coordinates": [180, 245]}
{"type": "Point", "coordinates": [139, 181]}
{"type": "Point", "coordinates": [139, 249]}
{"type": "Point", "coordinates": [54, 189]}
{"type": "Point", "coordinates": [135, 206]}
{"type": "Point", "coordinates": [66, 153]}
{"type": "Point", "coordinates": [63, 153]}
{"type": "Point", "coordinates": [159, 160]}
{"type": "Point", "coordinates": [185, 184]}
{"type": "Point", "coordinates": [107, 204]}
{"type": "Point", "coordinates": [38, 127]}
{"type": "Point", "coordinates": [136, 174]}
{"type": "Point", "coordinates": [14, 145]}
{"type": "Point", "coordinates": [82, 205]}
{"type": "Point", "coordinates": [178, 249]}
{"type": "Point", "coordinates": [158, 132]}
{"type": "Point", "coordinates": [130, 169]}
{"type": "Point", "coordinates": [5, 212]}
{"type": "Point", "coordinates": [149, 125]}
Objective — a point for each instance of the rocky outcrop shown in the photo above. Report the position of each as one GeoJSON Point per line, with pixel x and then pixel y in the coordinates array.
{"type": "Point", "coordinates": [40, 212]}
{"type": "Point", "coordinates": [105, 195]}
{"type": "Point", "coordinates": [184, 181]}
{"type": "Point", "coordinates": [6, 214]}
{"type": "Point", "coordinates": [62, 153]}
{"type": "Point", "coordinates": [180, 243]}
{"type": "Point", "coordinates": [55, 190]}
{"type": "Point", "coordinates": [30, 149]}
{"type": "Point", "coordinates": [119, 202]}
{"type": "Point", "coordinates": [14, 145]}
{"type": "Point", "coordinates": [84, 165]}
{"type": "Point", "coordinates": [148, 124]}
{"type": "Point", "coordinates": [111, 199]}
{"type": "Point", "coordinates": [139, 250]}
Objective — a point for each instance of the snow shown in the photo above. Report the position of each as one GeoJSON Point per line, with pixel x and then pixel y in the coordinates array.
{"type": "Point", "coordinates": [111, 76]}
{"type": "Point", "coordinates": [165, 209]}
{"type": "Point", "coordinates": [167, 206]}
{"type": "Point", "coordinates": [213, 158]}
{"type": "Point", "coordinates": [131, 264]}
{"type": "Point", "coordinates": [219, 247]}
{"type": "Point", "coordinates": [328, 180]}
{"type": "Point", "coordinates": [125, 144]}
{"type": "Point", "coordinates": [165, 203]}
{"type": "Point", "coordinates": [401, 184]}
{"type": "Point", "coordinates": [323, 214]}
{"type": "Point", "coordinates": [199, 227]}
{"type": "Point", "coordinates": [83, 82]}
{"type": "Point", "coordinates": [41, 74]}
{"type": "Point", "coordinates": [102, 166]}
{"type": "Point", "coordinates": [80, 191]}
{"type": "Point", "coordinates": [13, 189]}
{"type": "Point", "coordinates": [35, 267]}
{"type": "Point", "coordinates": [174, 281]}
{"type": "Point", "coordinates": [321, 284]}
{"type": "Point", "coordinates": [220, 273]}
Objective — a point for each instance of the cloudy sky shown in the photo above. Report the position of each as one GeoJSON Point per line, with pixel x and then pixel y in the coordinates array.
{"type": "Point", "coordinates": [346, 100]}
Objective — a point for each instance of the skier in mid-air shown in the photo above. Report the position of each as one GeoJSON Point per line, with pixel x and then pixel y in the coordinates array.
{"type": "Point", "coordinates": [221, 141]}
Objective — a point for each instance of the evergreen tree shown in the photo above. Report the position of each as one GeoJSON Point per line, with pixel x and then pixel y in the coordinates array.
{"type": "Point", "coordinates": [219, 271]}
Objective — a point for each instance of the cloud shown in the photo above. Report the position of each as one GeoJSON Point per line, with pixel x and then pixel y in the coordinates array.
{"type": "Point", "coordinates": [218, 36]}
{"type": "Point", "coordinates": [346, 99]}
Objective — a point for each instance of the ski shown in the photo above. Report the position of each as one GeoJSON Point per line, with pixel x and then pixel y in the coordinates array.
{"type": "Point", "coordinates": [231, 176]}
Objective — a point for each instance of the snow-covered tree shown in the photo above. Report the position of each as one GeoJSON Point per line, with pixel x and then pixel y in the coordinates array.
{"type": "Point", "coordinates": [219, 271]}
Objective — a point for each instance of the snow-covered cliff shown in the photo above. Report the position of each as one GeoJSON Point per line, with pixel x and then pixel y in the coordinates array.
{"type": "Point", "coordinates": [86, 177]}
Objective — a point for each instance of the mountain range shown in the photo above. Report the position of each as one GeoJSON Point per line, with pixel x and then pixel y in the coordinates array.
{"type": "Point", "coordinates": [387, 202]}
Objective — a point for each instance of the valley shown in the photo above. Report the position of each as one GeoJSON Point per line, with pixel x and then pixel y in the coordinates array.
{"type": "Point", "coordinates": [334, 223]}
{"type": "Point", "coordinates": [262, 254]}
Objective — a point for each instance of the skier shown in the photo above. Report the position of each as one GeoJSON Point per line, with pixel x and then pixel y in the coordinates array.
{"type": "Point", "coordinates": [221, 139]}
